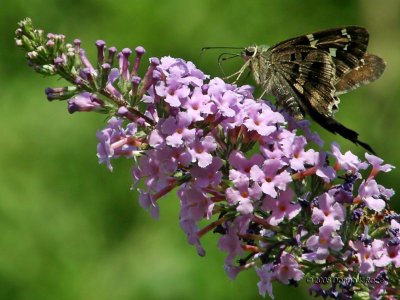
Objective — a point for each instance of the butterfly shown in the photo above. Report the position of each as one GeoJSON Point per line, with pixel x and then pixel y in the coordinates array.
{"type": "Point", "coordinates": [306, 74]}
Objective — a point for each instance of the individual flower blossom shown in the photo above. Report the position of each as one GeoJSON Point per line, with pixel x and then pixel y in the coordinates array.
{"type": "Point", "coordinates": [288, 269]}
{"type": "Point", "coordinates": [281, 208]}
{"type": "Point", "coordinates": [347, 161]}
{"type": "Point", "coordinates": [377, 166]}
{"type": "Point", "coordinates": [200, 150]}
{"type": "Point", "coordinates": [230, 243]}
{"type": "Point", "coordinates": [241, 166]}
{"type": "Point", "coordinates": [329, 212]}
{"type": "Point", "coordinates": [177, 131]}
{"type": "Point", "coordinates": [191, 229]}
{"type": "Point", "coordinates": [271, 146]}
{"type": "Point", "coordinates": [178, 157]}
{"type": "Point", "coordinates": [207, 176]}
{"type": "Point", "coordinates": [198, 105]}
{"type": "Point", "coordinates": [370, 194]}
{"type": "Point", "coordinates": [321, 244]}
{"type": "Point", "coordinates": [226, 103]}
{"type": "Point", "coordinates": [390, 255]}
{"type": "Point", "coordinates": [298, 157]}
{"type": "Point", "coordinates": [266, 276]}
{"type": "Point", "coordinates": [243, 195]}
{"type": "Point", "coordinates": [85, 102]}
{"type": "Point", "coordinates": [114, 141]}
{"type": "Point", "coordinates": [175, 93]}
{"type": "Point", "coordinates": [195, 204]}
{"type": "Point", "coordinates": [155, 170]}
{"type": "Point", "coordinates": [270, 176]}
{"type": "Point", "coordinates": [233, 271]}
{"type": "Point", "coordinates": [148, 201]}
{"type": "Point", "coordinates": [367, 254]}
{"type": "Point", "coordinates": [264, 121]}
{"type": "Point", "coordinates": [326, 172]}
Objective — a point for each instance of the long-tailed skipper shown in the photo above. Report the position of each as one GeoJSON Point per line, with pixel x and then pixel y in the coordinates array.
{"type": "Point", "coordinates": [306, 74]}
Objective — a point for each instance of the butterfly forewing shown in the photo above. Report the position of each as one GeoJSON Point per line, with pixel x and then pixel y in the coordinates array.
{"type": "Point", "coordinates": [346, 45]}
{"type": "Point", "coordinates": [309, 74]}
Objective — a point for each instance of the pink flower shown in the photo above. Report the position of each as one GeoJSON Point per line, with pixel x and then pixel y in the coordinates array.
{"type": "Point", "coordinates": [329, 212]}
{"type": "Point", "coordinates": [266, 276]}
{"type": "Point", "coordinates": [367, 254]}
{"type": "Point", "coordinates": [270, 177]}
{"type": "Point", "coordinates": [288, 269]}
{"type": "Point", "coordinates": [322, 243]}
{"type": "Point", "coordinates": [281, 208]}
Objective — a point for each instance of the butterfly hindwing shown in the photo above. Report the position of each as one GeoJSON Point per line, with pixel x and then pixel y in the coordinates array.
{"type": "Point", "coordinates": [371, 68]}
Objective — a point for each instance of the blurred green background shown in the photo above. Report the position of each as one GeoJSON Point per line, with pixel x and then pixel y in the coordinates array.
{"type": "Point", "coordinates": [69, 229]}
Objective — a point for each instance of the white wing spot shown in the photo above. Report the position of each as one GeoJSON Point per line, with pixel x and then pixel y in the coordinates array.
{"type": "Point", "coordinates": [299, 87]}
{"type": "Point", "coordinates": [312, 40]}
{"type": "Point", "coordinates": [332, 51]}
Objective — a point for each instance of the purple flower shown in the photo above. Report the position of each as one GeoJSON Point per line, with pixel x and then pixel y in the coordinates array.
{"type": "Point", "coordinates": [243, 195]}
{"type": "Point", "coordinates": [226, 103]}
{"type": "Point", "coordinates": [147, 201]}
{"type": "Point", "coordinates": [195, 204]}
{"type": "Point", "coordinates": [156, 170]}
{"type": "Point", "coordinates": [207, 176]}
{"type": "Point", "coordinates": [270, 177]}
{"type": "Point", "coordinates": [198, 105]}
{"type": "Point", "coordinates": [242, 165]}
{"type": "Point", "coordinates": [299, 157]}
{"type": "Point", "coordinates": [288, 269]}
{"type": "Point", "coordinates": [329, 212]}
{"type": "Point", "coordinates": [200, 150]}
{"type": "Point", "coordinates": [322, 243]}
{"type": "Point", "coordinates": [175, 93]}
{"type": "Point", "coordinates": [327, 173]}
{"type": "Point", "coordinates": [376, 163]}
{"type": "Point", "coordinates": [370, 194]}
{"type": "Point", "coordinates": [390, 255]}
{"type": "Point", "coordinates": [177, 130]}
{"type": "Point", "coordinates": [266, 276]}
{"type": "Point", "coordinates": [281, 208]}
{"type": "Point", "coordinates": [367, 254]}
{"type": "Point", "coordinates": [190, 228]}
{"type": "Point", "coordinates": [230, 243]}
{"type": "Point", "coordinates": [264, 121]}
{"type": "Point", "coordinates": [176, 157]}
{"type": "Point", "coordinates": [84, 102]}
{"type": "Point", "coordinates": [347, 161]}
{"type": "Point", "coordinates": [114, 141]}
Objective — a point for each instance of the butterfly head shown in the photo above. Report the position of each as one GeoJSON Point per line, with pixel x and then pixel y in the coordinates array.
{"type": "Point", "coordinates": [249, 52]}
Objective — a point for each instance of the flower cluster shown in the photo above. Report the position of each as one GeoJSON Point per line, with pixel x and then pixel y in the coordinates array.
{"type": "Point", "coordinates": [288, 210]}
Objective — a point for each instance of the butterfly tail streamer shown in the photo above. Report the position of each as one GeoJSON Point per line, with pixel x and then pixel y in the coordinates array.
{"type": "Point", "coordinates": [334, 126]}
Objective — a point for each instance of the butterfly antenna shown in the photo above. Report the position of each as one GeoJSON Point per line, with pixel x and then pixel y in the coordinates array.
{"type": "Point", "coordinates": [218, 47]}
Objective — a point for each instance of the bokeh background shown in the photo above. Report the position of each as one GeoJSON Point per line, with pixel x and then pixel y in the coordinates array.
{"type": "Point", "coordinates": [69, 229]}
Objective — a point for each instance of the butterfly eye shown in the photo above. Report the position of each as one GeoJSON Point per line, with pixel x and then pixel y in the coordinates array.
{"type": "Point", "coordinates": [250, 51]}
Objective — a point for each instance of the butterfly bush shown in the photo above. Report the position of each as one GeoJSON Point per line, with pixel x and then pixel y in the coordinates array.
{"type": "Point", "coordinates": [260, 180]}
